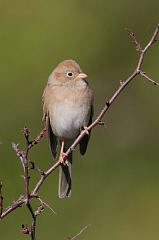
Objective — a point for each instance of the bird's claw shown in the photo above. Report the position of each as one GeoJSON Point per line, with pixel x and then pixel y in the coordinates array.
{"type": "Point", "coordinates": [62, 158]}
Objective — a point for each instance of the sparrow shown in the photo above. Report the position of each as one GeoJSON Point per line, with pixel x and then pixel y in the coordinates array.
{"type": "Point", "coordinates": [67, 109]}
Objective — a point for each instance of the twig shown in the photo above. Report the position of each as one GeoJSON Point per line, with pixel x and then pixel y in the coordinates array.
{"type": "Point", "coordinates": [29, 143]}
{"type": "Point", "coordinates": [78, 234]}
{"type": "Point", "coordinates": [26, 176]}
{"type": "Point", "coordinates": [43, 177]}
{"type": "Point", "coordinates": [18, 153]}
{"type": "Point", "coordinates": [133, 39]}
{"type": "Point", "coordinates": [46, 204]}
{"type": "Point", "coordinates": [33, 227]}
{"type": "Point", "coordinates": [1, 200]}
{"type": "Point", "coordinates": [143, 74]}
{"type": "Point", "coordinates": [36, 168]}
{"type": "Point", "coordinates": [37, 139]}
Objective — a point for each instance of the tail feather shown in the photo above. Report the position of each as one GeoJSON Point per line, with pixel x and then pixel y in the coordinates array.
{"type": "Point", "coordinates": [65, 179]}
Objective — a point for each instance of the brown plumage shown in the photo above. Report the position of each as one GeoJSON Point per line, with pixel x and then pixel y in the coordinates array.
{"type": "Point", "coordinates": [67, 108]}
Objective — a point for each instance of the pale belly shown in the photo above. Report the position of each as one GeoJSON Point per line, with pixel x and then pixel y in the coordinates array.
{"type": "Point", "coordinates": [68, 118]}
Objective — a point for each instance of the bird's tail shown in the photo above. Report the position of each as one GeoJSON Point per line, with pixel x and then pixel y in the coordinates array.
{"type": "Point", "coordinates": [65, 178]}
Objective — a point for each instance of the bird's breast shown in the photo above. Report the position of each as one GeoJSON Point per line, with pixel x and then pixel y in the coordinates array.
{"type": "Point", "coordinates": [69, 113]}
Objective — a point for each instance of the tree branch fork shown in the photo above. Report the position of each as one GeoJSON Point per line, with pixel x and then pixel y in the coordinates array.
{"type": "Point", "coordinates": [23, 154]}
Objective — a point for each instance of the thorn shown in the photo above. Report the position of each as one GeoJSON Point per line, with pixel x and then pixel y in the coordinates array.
{"type": "Point", "coordinates": [107, 104]}
{"type": "Point", "coordinates": [1, 199]}
{"type": "Point", "coordinates": [102, 123]}
{"type": "Point", "coordinates": [22, 176]}
{"type": "Point", "coordinates": [32, 165]}
{"type": "Point", "coordinates": [78, 234]}
{"type": "Point", "coordinates": [15, 145]}
{"type": "Point", "coordinates": [121, 82]}
{"type": "Point", "coordinates": [134, 40]}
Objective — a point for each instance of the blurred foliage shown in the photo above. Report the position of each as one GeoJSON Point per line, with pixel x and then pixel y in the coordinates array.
{"type": "Point", "coordinates": [116, 184]}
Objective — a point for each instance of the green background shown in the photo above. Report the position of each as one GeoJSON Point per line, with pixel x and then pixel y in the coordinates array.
{"type": "Point", "coordinates": [116, 184]}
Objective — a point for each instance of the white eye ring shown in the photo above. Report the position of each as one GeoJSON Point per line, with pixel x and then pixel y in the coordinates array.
{"type": "Point", "coordinates": [69, 74]}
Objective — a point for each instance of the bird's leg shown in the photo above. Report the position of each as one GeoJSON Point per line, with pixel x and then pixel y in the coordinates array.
{"type": "Point", "coordinates": [62, 154]}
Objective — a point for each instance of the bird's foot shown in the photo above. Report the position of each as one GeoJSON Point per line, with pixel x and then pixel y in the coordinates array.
{"type": "Point", "coordinates": [63, 159]}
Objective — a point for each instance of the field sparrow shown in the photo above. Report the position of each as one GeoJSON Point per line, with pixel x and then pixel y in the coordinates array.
{"type": "Point", "coordinates": [67, 109]}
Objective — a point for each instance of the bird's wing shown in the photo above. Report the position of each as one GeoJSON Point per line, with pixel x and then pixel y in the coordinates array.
{"type": "Point", "coordinates": [52, 139]}
{"type": "Point", "coordinates": [85, 139]}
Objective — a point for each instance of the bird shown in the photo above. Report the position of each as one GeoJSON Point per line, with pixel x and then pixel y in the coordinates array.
{"type": "Point", "coordinates": [67, 110]}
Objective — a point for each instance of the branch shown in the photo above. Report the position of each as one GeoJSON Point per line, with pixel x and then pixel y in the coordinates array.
{"type": "Point", "coordinates": [33, 227]}
{"type": "Point", "coordinates": [143, 74]}
{"type": "Point", "coordinates": [23, 156]}
{"type": "Point", "coordinates": [78, 234]}
{"type": "Point", "coordinates": [133, 39]}
{"type": "Point", "coordinates": [1, 200]}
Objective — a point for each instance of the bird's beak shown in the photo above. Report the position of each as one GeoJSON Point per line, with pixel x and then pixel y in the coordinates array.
{"type": "Point", "coordinates": [82, 76]}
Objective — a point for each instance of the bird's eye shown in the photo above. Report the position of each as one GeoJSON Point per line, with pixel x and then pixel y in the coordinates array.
{"type": "Point", "coordinates": [69, 74]}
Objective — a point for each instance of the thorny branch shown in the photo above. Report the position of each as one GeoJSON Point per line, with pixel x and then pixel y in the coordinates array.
{"type": "Point", "coordinates": [23, 155]}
